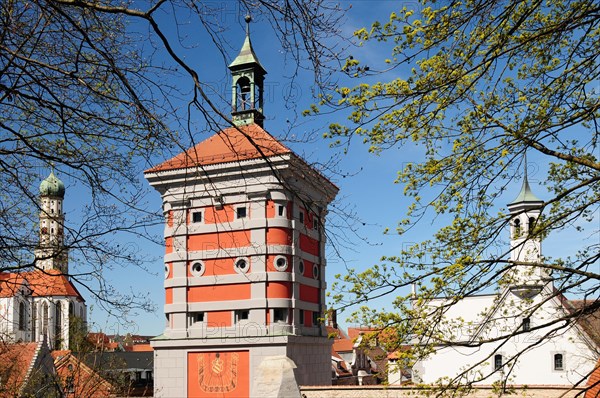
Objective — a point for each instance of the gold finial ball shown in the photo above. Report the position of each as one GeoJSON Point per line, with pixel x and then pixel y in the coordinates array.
{"type": "Point", "coordinates": [248, 18]}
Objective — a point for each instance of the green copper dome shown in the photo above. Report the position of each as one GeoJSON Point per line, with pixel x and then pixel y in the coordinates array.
{"type": "Point", "coordinates": [526, 195]}
{"type": "Point", "coordinates": [52, 186]}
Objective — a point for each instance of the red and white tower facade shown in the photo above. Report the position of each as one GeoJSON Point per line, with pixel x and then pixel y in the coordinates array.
{"type": "Point", "coordinates": [245, 256]}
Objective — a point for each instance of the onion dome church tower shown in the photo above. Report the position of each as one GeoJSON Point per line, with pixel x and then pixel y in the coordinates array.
{"type": "Point", "coordinates": [525, 244]}
{"type": "Point", "coordinates": [245, 258]}
{"type": "Point", "coordinates": [41, 304]}
{"type": "Point", "coordinates": [51, 252]}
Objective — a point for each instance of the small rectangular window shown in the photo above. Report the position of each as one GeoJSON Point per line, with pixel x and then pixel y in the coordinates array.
{"type": "Point", "coordinates": [242, 315]}
{"type": "Point", "coordinates": [280, 315]}
{"type": "Point", "coordinates": [241, 212]}
{"type": "Point", "coordinates": [280, 210]}
{"type": "Point", "coordinates": [315, 318]}
{"type": "Point", "coordinates": [497, 362]}
{"type": "Point", "coordinates": [196, 317]}
{"type": "Point", "coordinates": [301, 317]}
{"type": "Point", "coordinates": [526, 324]}
{"type": "Point", "coordinates": [316, 222]}
{"type": "Point", "coordinates": [301, 217]}
{"type": "Point", "coordinates": [197, 216]}
{"type": "Point", "coordinates": [558, 362]}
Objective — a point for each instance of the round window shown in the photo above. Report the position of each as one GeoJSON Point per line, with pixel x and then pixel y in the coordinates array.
{"type": "Point", "coordinates": [316, 271]}
{"type": "Point", "coordinates": [242, 265]}
{"type": "Point", "coordinates": [281, 263]}
{"type": "Point", "coordinates": [197, 268]}
{"type": "Point", "coordinates": [166, 271]}
{"type": "Point", "coordinates": [301, 267]}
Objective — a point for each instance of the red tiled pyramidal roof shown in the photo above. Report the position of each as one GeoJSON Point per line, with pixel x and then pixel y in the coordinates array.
{"type": "Point", "coordinates": [229, 145]}
{"type": "Point", "coordinates": [41, 283]}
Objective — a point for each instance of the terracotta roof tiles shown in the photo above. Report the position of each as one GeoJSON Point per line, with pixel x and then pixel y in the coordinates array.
{"type": "Point", "coordinates": [15, 363]}
{"type": "Point", "coordinates": [343, 345]}
{"type": "Point", "coordinates": [229, 145]}
{"type": "Point", "coordinates": [594, 383]}
{"type": "Point", "coordinates": [41, 283]}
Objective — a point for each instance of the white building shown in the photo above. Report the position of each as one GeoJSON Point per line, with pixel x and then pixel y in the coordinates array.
{"type": "Point", "coordinates": [512, 337]}
{"type": "Point", "coordinates": [40, 304]}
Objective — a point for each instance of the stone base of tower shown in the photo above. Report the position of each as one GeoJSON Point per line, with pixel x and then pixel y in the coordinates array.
{"type": "Point", "coordinates": [227, 367]}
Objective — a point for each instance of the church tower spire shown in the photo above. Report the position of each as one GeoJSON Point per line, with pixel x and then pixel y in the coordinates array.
{"type": "Point", "coordinates": [526, 247]}
{"type": "Point", "coordinates": [51, 253]}
{"type": "Point", "coordinates": [247, 75]}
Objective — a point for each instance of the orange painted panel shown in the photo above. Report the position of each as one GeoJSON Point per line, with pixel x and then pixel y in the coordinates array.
{"type": "Point", "coordinates": [218, 240]}
{"type": "Point", "coordinates": [309, 245]}
{"type": "Point", "coordinates": [309, 293]}
{"type": "Point", "coordinates": [168, 295]}
{"type": "Point", "coordinates": [268, 317]}
{"type": "Point", "coordinates": [279, 290]}
{"type": "Point", "coordinates": [170, 218]}
{"type": "Point", "coordinates": [308, 318]}
{"type": "Point", "coordinates": [169, 245]}
{"type": "Point", "coordinates": [199, 294]}
{"type": "Point", "coordinates": [308, 268]}
{"type": "Point", "coordinates": [279, 236]}
{"type": "Point", "coordinates": [218, 374]}
{"type": "Point", "coordinates": [218, 319]}
{"type": "Point", "coordinates": [213, 215]}
{"type": "Point", "coordinates": [271, 209]}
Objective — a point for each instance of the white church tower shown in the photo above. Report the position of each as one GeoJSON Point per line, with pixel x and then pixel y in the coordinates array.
{"type": "Point", "coordinates": [526, 243]}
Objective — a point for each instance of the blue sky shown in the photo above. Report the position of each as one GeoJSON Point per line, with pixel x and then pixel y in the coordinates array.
{"type": "Point", "coordinates": [367, 186]}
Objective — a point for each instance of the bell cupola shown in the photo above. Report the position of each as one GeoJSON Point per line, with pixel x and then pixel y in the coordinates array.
{"type": "Point", "coordinates": [247, 85]}
{"type": "Point", "coordinates": [525, 243]}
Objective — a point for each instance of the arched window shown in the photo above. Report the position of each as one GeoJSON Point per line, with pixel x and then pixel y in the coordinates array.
{"type": "Point", "coordinates": [57, 325]}
{"type": "Point", "coordinates": [517, 225]}
{"type": "Point", "coordinates": [530, 224]}
{"type": "Point", "coordinates": [244, 94]}
{"type": "Point", "coordinates": [22, 316]}
{"type": "Point", "coordinates": [33, 322]}
{"type": "Point", "coordinates": [526, 324]}
{"type": "Point", "coordinates": [558, 362]}
{"type": "Point", "coordinates": [45, 319]}
{"type": "Point", "coordinates": [71, 311]}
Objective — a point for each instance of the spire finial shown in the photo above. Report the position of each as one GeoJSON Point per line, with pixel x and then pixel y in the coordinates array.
{"type": "Point", "coordinates": [525, 166]}
{"type": "Point", "coordinates": [248, 19]}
